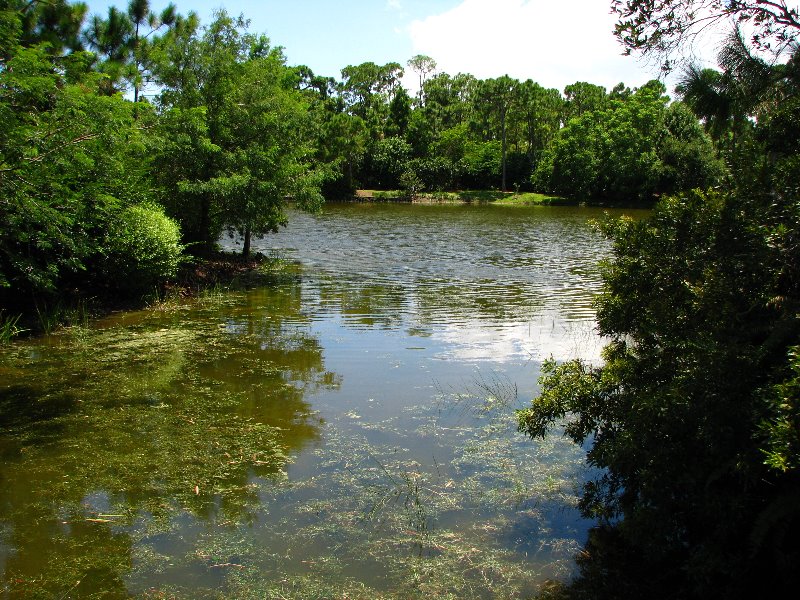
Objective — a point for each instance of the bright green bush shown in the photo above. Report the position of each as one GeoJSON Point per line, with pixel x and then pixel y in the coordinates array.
{"type": "Point", "coordinates": [143, 248]}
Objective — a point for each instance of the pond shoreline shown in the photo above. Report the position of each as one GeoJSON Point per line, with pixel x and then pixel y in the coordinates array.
{"type": "Point", "coordinates": [480, 197]}
{"type": "Point", "coordinates": [460, 197]}
{"type": "Point", "coordinates": [196, 276]}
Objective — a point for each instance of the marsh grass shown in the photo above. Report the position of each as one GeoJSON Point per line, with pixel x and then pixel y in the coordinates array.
{"type": "Point", "coordinates": [61, 313]}
{"type": "Point", "coordinates": [473, 525]}
{"type": "Point", "coordinates": [9, 328]}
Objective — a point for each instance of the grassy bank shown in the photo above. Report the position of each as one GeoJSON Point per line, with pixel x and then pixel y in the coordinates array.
{"type": "Point", "coordinates": [466, 197]}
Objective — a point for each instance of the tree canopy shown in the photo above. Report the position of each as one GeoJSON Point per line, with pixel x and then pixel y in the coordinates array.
{"type": "Point", "coordinates": [663, 28]}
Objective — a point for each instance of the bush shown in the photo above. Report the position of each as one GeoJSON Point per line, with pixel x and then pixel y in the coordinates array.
{"type": "Point", "coordinates": [143, 248]}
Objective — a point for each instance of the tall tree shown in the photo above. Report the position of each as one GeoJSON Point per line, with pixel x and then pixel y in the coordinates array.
{"type": "Point", "coordinates": [267, 149]}
{"type": "Point", "coordinates": [145, 24]}
{"type": "Point", "coordinates": [368, 89]}
{"type": "Point", "coordinates": [583, 97]}
{"type": "Point", "coordinates": [123, 40]}
{"type": "Point", "coordinates": [27, 23]}
{"type": "Point", "coordinates": [423, 66]}
{"type": "Point", "coordinates": [725, 100]}
{"type": "Point", "coordinates": [539, 112]}
{"type": "Point", "coordinates": [494, 100]}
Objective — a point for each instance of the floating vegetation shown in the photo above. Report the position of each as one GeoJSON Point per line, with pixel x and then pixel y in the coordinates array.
{"type": "Point", "coordinates": [152, 455]}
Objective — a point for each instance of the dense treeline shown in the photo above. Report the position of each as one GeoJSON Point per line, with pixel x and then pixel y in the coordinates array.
{"type": "Point", "coordinates": [693, 419]}
{"type": "Point", "coordinates": [206, 128]}
{"type": "Point", "coordinates": [463, 133]}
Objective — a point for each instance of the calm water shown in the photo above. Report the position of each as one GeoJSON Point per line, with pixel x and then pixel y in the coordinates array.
{"type": "Point", "coordinates": [346, 431]}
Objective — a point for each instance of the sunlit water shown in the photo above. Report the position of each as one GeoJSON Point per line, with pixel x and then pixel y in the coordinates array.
{"type": "Point", "coordinates": [345, 431]}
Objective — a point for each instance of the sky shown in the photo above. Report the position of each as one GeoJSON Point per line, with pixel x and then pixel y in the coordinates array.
{"type": "Point", "coordinates": [553, 43]}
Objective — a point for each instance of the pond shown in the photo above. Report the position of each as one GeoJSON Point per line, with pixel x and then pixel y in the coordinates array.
{"type": "Point", "coordinates": [345, 430]}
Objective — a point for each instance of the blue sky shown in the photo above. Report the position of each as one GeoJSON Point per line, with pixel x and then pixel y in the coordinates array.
{"type": "Point", "coordinates": [487, 38]}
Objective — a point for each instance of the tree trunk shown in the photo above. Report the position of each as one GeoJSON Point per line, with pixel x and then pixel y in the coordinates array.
{"type": "Point", "coordinates": [205, 208]}
{"type": "Point", "coordinates": [503, 187]}
{"type": "Point", "coordinates": [246, 248]}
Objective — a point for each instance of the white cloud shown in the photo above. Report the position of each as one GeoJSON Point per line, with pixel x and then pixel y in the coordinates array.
{"type": "Point", "coordinates": [394, 5]}
{"type": "Point", "coordinates": [546, 336]}
{"type": "Point", "coordinates": [554, 44]}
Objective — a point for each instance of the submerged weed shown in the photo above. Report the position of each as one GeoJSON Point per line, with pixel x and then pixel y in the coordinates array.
{"type": "Point", "coordinates": [155, 465]}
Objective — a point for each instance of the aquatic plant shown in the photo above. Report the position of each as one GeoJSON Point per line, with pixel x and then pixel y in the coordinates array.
{"type": "Point", "coordinates": [9, 328]}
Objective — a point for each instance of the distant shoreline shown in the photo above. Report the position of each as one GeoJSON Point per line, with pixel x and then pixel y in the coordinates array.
{"type": "Point", "coordinates": [462, 197]}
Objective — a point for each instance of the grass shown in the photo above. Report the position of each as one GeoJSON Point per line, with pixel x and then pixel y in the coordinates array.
{"type": "Point", "coordinates": [471, 196]}
{"type": "Point", "coordinates": [62, 313]}
{"type": "Point", "coordinates": [9, 328]}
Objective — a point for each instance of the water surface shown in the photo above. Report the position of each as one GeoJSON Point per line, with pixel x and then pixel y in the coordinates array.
{"type": "Point", "coordinates": [345, 431]}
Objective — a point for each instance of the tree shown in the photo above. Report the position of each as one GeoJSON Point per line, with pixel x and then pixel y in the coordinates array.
{"type": "Point", "coordinates": [627, 151]}
{"type": "Point", "coordinates": [197, 75]}
{"type": "Point", "coordinates": [663, 28]}
{"type": "Point", "coordinates": [399, 114]}
{"type": "Point", "coordinates": [423, 66]}
{"type": "Point", "coordinates": [344, 138]}
{"type": "Point", "coordinates": [234, 138]}
{"type": "Point", "coordinates": [695, 395]}
{"type": "Point", "coordinates": [267, 150]}
{"type": "Point", "coordinates": [28, 23]}
{"type": "Point", "coordinates": [539, 113]}
{"type": "Point", "coordinates": [706, 92]}
{"type": "Point", "coordinates": [726, 100]}
{"type": "Point", "coordinates": [70, 159]}
{"type": "Point", "coordinates": [121, 40]}
{"type": "Point", "coordinates": [368, 89]}
{"type": "Point", "coordinates": [692, 421]}
{"type": "Point", "coordinates": [141, 15]}
{"type": "Point", "coordinates": [494, 99]}
{"type": "Point", "coordinates": [388, 160]}
{"type": "Point", "coordinates": [583, 97]}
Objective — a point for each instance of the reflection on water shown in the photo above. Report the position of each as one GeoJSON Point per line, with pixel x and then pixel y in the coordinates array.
{"type": "Point", "coordinates": [347, 431]}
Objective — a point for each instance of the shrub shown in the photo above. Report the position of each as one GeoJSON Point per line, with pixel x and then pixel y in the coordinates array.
{"type": "Point", "coordinates": [143, 248]}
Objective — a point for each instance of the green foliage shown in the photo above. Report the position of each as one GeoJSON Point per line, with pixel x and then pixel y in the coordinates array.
{"type": "Point", "coordinates": [26, 23]}
{"type": "Point", "coordinates": [631, 150]}
{"type": "Point", "coordinates": [142, 249]}
{"type": "Point", "coordinates": [435, 173]}
{"type": "Point", "coordinates": [367, 90]}
{"type": "Point", "coordinates": [236, 140]}
{"type": "Point", "coordinates": [581, 97]}
{"type": "Point", "coordinates": [692, 420]}
{"type": "Point", "coordinates": [687, 155]}
{"type": "Point", "coordinates": [388, 161]}
{"type": "Point", "coordinates": [781, 426]}
{"type": "Point", "coordinates": [69, 156]}
{"type": "Point", "coordinates": [482, 164]}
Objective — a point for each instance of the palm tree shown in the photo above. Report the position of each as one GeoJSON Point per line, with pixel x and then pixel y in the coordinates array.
{"type": "Point", "coordinates": [726, 100]}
